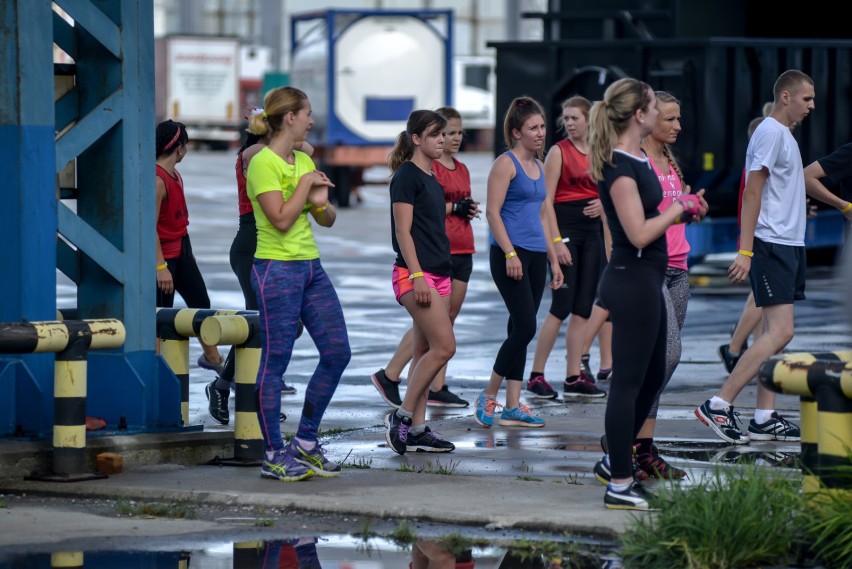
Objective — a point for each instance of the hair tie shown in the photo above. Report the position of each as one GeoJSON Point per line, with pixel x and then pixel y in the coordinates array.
{"type": "Point", "coordinates": [252, 111]}
{"type": "Point", "coordinates": [173, 140]}
{"type": "Point", "coordinates": [263, 112]}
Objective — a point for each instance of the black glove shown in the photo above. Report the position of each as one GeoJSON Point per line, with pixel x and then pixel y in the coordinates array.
{"type": "Point", "coordinates": [462, 207]}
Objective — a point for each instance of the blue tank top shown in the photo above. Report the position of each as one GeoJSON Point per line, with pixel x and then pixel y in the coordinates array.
{"type": "Point", "coordinates": [522, 208]}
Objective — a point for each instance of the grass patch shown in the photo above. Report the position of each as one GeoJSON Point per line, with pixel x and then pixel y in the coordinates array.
{"type": "Point", "coordinates": [403, 535]}
{"type": "Point", "coordinates": [528, 476]}
{"type": "Point", "coordinates": [572, 479]}
{"type": "Point", "coordinates": [365, 533]}
{"type": "Point", "coordinates": [336, 431]}
{"type": "Point", "coordinates": [745, 517]}
{"type": "Point", "coordinates": [740, 518]}
{"type": "Point", "coordinates": [360, 463]}
{"type": "Point", "coordinates": [430, 468]}
{"type": "Point", "coordinates": [827, 519]}
{"type": "Point", "coordinates": [154, 509]}
{"type": "Point", "coordinates": [528, 553]}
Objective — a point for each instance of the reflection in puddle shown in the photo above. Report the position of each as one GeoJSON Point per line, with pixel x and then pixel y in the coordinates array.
{"type": "Point", "coordinates": [786, 456]}
{"type": "Point", "coordinates": [333, 552]}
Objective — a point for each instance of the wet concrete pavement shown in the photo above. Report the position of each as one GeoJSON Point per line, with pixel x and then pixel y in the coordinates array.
{"type": "Point", "coordinates": [510, 478]}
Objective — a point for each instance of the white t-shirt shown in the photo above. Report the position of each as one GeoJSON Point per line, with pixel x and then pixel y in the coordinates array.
{"type": "Point", "coordinates": [783, 212]}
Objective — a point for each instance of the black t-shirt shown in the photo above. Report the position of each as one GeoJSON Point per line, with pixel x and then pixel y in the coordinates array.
{"type": "Point", "coordinates": [412, 185]}
{"type": "Point", "coordinates": [838, 168]}
{"type": "Point", "coordinates": [650, 193]}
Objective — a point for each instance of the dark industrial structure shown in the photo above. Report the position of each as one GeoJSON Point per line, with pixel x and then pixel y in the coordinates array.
{"type": "Point", "coordinates": [719, 58]}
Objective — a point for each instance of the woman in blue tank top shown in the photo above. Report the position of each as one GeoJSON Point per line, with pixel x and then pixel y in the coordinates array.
{"type": "Point", "coordinates": [518, 208]}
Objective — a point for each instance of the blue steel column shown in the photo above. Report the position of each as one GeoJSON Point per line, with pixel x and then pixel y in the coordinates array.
{"type": "Point", "coordinates": [106, 220]}
{"type": "Point", "coordinates": [112, 43]}
{"type": "Point", "coordinates": [28, 190]}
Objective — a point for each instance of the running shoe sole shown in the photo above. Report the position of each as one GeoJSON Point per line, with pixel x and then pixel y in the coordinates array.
{"type": "Point", "coordinates": [435, 403]}
{"type": "Point", "coordinates": [513, 423]}
{"type": "Point", "coordinates": [480, 423]}
{"type": "Point", "coordinates": [273, 476]}
{"type": "Point", "coordinates": [570, 395]}
{"type": "Point", "coordinates": [770, 437]}
{"type": "Point", "coordinates": [535, 395]}
{"type": "Point", "coordinates": [316, 469]}
{"type": "Point", "coordinates": [626, 501]}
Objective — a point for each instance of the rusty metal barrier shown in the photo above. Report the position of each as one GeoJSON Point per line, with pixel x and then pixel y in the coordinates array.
{"type": "Point", "coordinates": [175, 326]}
{"type": "Point", "coordinates": [823, 381]}
{"type": "Point", "coordinates": [243, 332]}
{"type": "Point", "coordinates": [71, 340]}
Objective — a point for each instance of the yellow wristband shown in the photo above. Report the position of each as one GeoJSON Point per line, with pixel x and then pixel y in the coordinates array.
{"type": "Point", "coordinates": [745, 253]}
{"type": "Point", "coordinates": [321, 208]}
{"type": "Point", "coordinates": [511, 254]}
{"type": "Point", "coordinates": [559, 240]}
{"type": "Point", "coordinates": [413, 276]}
{"type": "Point", "coordinates": [847, 209]}
{"type": "Point", "coordinates": [161, 267]}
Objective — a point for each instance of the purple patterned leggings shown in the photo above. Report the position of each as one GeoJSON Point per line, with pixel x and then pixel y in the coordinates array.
{"type": "Point", "coordinates": [287, 291]}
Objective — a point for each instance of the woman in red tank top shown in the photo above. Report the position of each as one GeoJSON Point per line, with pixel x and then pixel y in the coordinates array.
{"type": "Point", "coordinates": [177, 270]}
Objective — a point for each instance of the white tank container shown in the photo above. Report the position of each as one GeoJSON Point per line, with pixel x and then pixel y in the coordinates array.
{"type": "Point", "coordinates": [365, 74]}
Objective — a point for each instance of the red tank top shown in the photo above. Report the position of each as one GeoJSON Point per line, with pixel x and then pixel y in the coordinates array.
{"type": "Point", "coordinates": [456, 184]}
{"type": "Point", "coordinates": [174, 218]}
{"type": "Point", "coordinates": [242, 195]}
{"type": "Point", "coordinates": [574, 180]}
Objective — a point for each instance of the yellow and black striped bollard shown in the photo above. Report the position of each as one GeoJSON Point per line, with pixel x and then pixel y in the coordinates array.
{"type": "Point", "coordinates": [242, 331]}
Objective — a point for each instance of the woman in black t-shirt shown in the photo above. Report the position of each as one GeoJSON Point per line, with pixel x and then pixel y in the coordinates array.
{"type": "Point", "coordinates": [421, 274]}
{"type": "Point", "coordinates": [631, 285]}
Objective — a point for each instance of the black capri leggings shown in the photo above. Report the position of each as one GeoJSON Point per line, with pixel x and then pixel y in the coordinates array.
{"type": "Point", "coordinates": [187, 278]}
{"type": "Point", "coordinates": [631, 288]}
{"type": "Point", "coordinates": [522, 299]}
{"type": "Point", "coordinates": [580, 285]}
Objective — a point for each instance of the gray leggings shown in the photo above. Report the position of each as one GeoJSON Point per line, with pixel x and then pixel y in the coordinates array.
{"type": "Point", "coordinates": [676, 296]}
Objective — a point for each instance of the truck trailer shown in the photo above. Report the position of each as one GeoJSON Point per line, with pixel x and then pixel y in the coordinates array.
{"type": "Point", "coordinates": [198, 84]}
{"type": "Point", "coordinates": [365, 71]}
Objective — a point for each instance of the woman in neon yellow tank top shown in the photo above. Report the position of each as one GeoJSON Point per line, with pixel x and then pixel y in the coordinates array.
{"type": "Point", "coordinates": [285, 189]}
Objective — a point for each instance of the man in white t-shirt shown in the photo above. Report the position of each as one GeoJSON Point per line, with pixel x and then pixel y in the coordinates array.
{"type": "Point", "coordinates": [772, 257]}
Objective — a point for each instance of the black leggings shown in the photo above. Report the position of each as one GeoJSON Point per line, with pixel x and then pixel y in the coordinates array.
{"type": "Point", "coordinates": [522, 299]}
{"type": "Point", "coordinates": [189, 283]}
{"type": "Point", "coordinates": [242, 257]}
{"type": "Point", "coordinates": [631, 288]}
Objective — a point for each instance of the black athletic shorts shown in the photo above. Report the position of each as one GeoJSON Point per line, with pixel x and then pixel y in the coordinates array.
{"type": "Point", "coordinates": [777, 273]}
{"type": "Point", "coordinates": [462, 267]}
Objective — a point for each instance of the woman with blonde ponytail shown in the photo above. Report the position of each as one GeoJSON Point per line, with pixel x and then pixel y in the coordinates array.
{"type": "Point", "coordinates": [287, 192]}
{"type": "Point", "coordinates": [632, 283]}
{"type": "Point", "coordinates": [241, 257]}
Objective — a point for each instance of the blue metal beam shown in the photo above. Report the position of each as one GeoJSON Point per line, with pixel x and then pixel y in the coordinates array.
{"type": "Point", "coordinates": [93, 20]}
{"type": "Point", "coordinates": [89, 129]}
{"type": "Point", "coordinates": [82, 236]}
{"type": "Point", "coordinates": [28, 189]}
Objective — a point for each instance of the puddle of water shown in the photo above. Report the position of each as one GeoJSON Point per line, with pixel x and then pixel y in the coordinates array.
{"type": "Point", "coordinates": [326, 552]}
